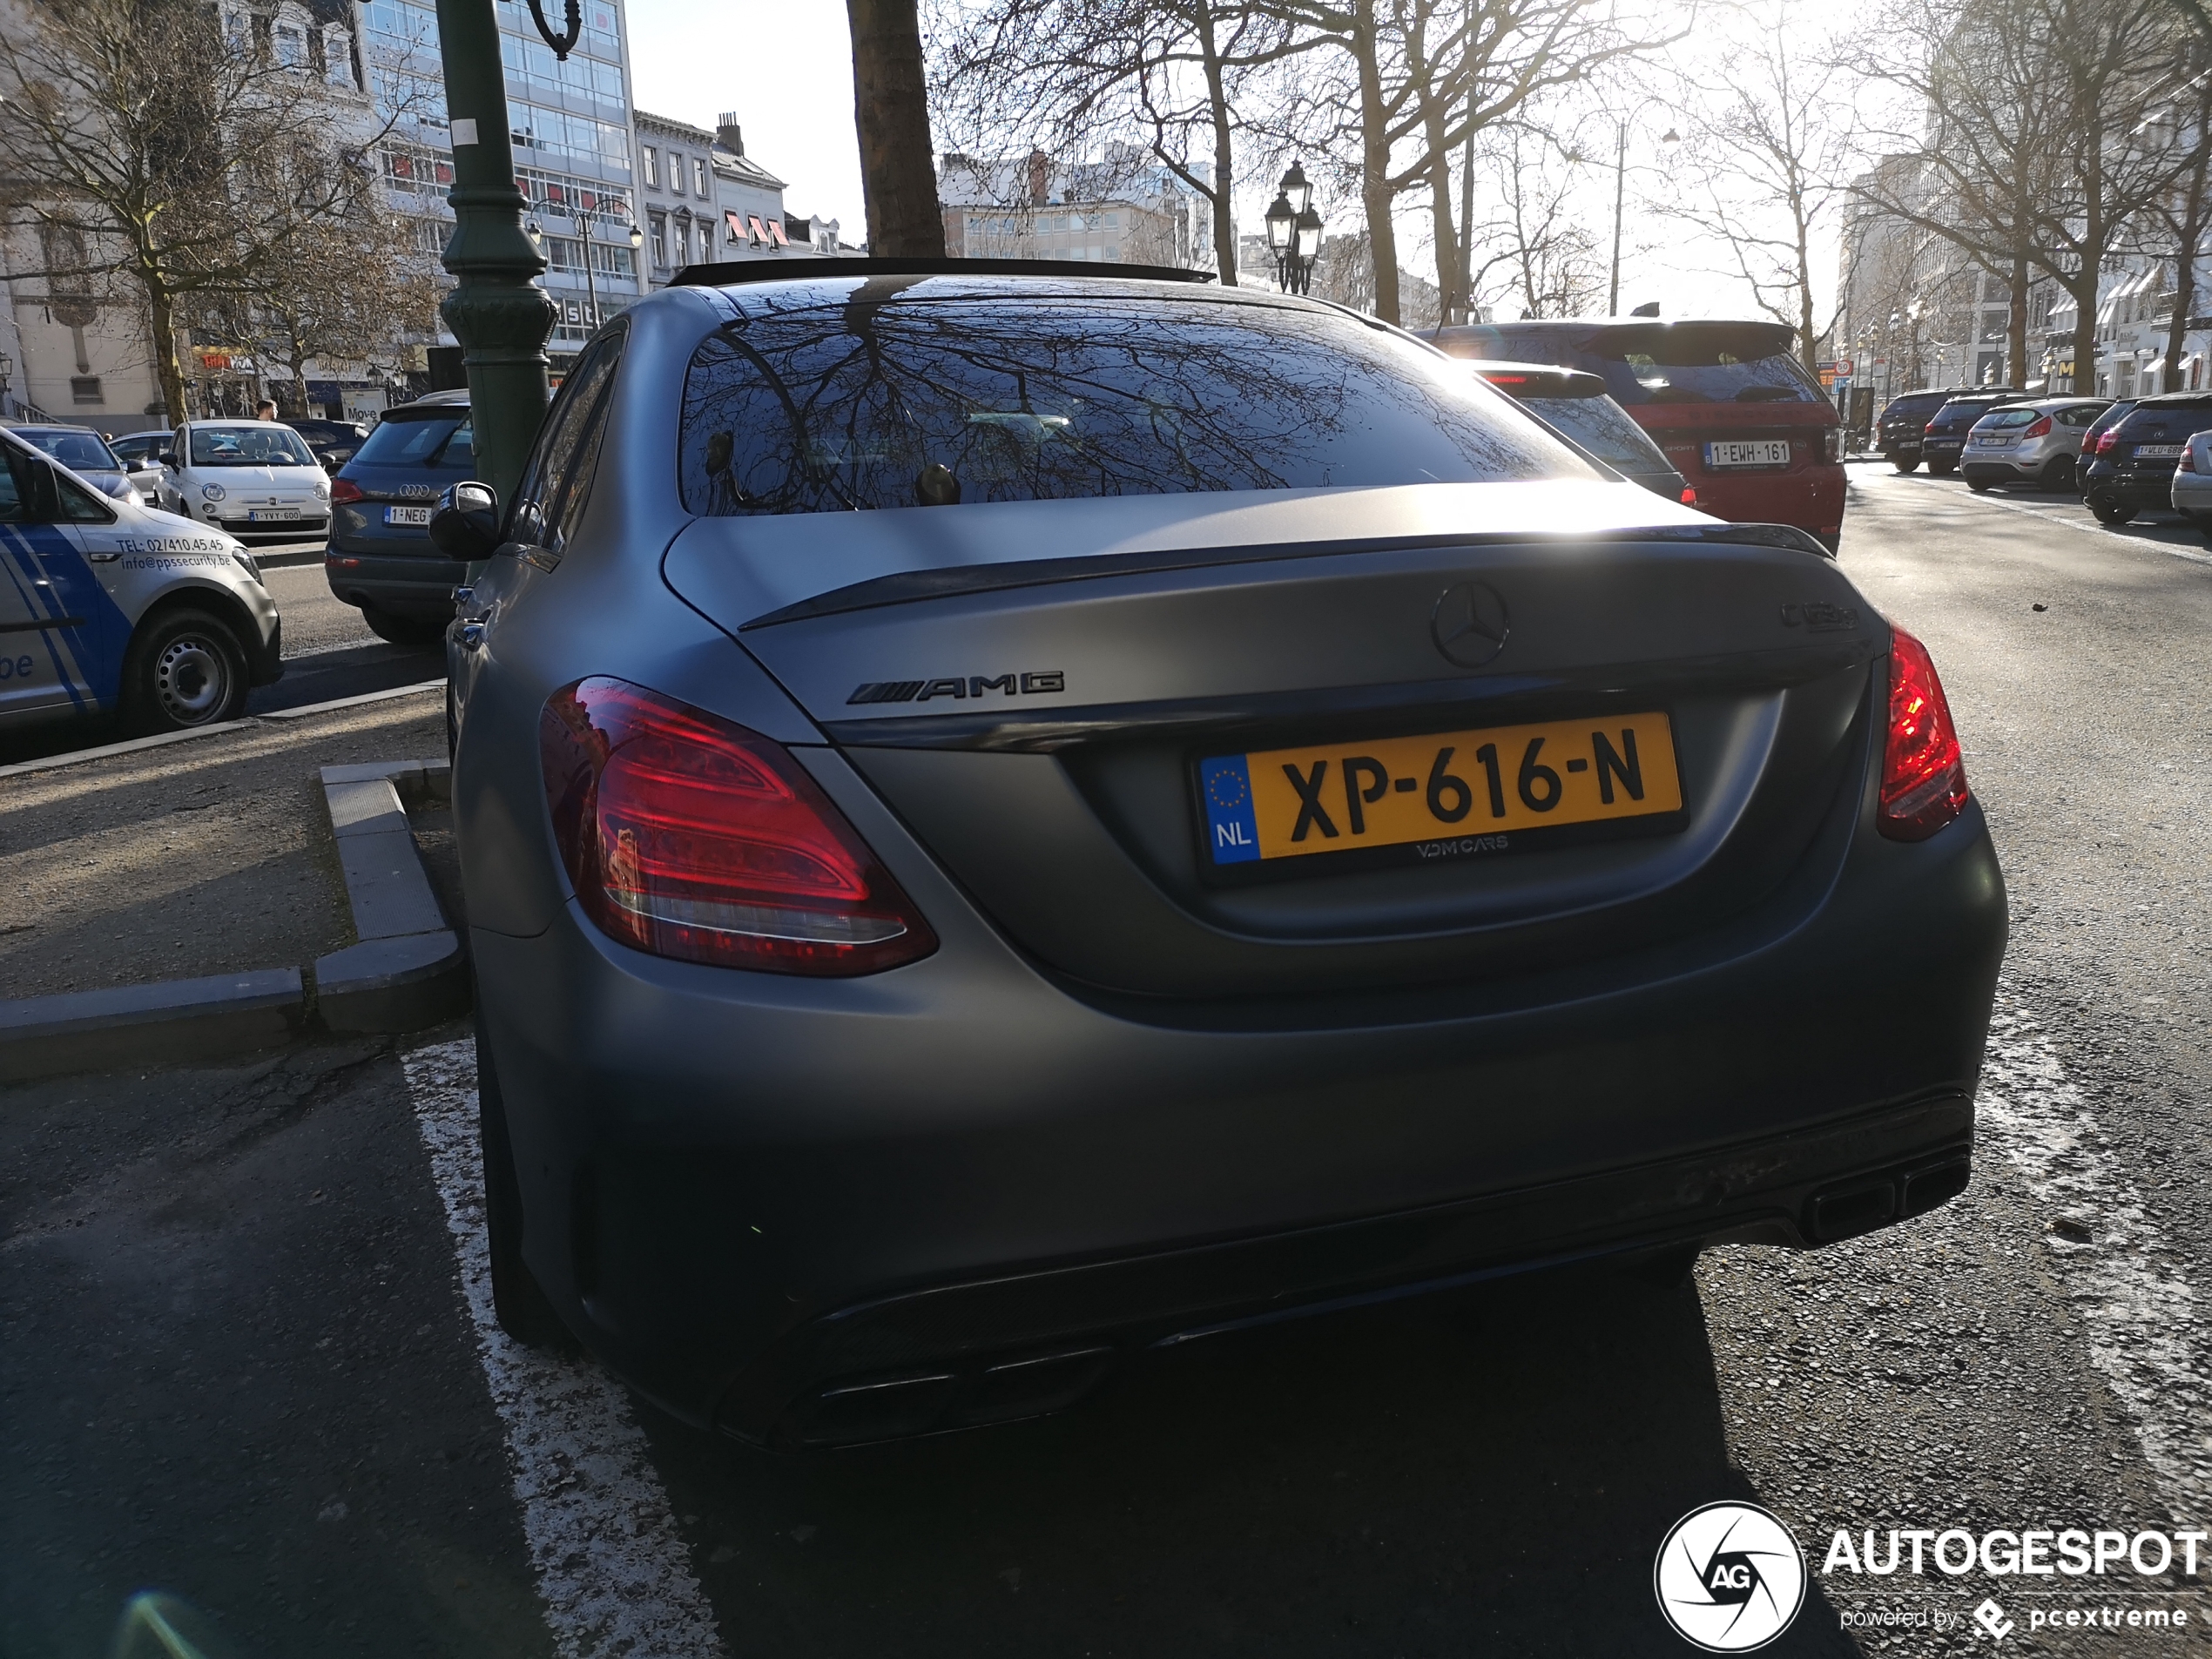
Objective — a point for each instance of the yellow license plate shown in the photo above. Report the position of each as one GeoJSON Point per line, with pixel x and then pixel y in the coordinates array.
{"type": "Point", "coordinates": [1489, 785]}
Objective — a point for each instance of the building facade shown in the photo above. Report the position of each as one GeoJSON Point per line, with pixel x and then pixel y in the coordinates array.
{"type": "Point", "coordinates": [89, 358]}
{"type": "Point", "coordinates": [704, 201]}
{"type": "Point", "coordinates": [1127, 209]}
{"type": "Point", "coordinates": [570, 126]}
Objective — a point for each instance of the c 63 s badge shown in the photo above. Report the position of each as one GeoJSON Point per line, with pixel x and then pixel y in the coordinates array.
{"type": "Point", "coordinates": [1030, 685]}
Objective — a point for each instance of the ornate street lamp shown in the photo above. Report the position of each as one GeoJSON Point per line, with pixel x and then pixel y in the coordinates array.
{"type": "Point", "coordinates": [1294, 231]}
{"type": "Point", "coordinates": [583, 229]}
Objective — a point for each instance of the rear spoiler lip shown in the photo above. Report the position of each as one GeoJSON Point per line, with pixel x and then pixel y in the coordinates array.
{"type": "Point", "coordinates": [906, 587]}
{"type": "Point", "coordinates": [1485, 697]}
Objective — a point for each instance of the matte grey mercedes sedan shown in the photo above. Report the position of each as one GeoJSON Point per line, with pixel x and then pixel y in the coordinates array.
{"type": "Point", "coordinates": [1014, 814]}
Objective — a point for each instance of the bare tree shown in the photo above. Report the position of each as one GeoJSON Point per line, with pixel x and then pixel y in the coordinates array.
{"type": "Point", "coordinates": [891, 117]}
{"type": "Point", "coordinates": [338, 296]}
{"type": "Point", "coordinates": [1767, 166]}
{"type": "Point", "coordinates": [1424, 75]}
{"type": "Point", "coordinates": [2180, 219]}
{"type": "Point", "coordinates": [1539, 257]}
{"type": "Point", "coordinates": [167, 153]}
{"type": "Point", "coordinates": [1064, 75]}
{"type": "Point", "coordinates": [2033, 153]}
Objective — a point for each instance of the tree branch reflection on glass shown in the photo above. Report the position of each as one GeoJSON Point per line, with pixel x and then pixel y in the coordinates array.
{"type": "Point", "coordinates": [923, 392]}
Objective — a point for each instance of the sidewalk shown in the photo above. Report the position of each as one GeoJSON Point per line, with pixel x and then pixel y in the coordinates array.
{"type": "Point", "coordinates": [197, 859]}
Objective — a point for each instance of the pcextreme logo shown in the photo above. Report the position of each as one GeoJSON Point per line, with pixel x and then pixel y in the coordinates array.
{"type": "Point", "coordinates": [1729, 1577]}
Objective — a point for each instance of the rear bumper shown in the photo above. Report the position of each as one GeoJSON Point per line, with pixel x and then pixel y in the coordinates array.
{"type": "Point", "coordinates": [404, 585]}
{"type": "Point", "coordinates": [1810, 498]}
{"type": "Point", "coordinates": [754, 1195]}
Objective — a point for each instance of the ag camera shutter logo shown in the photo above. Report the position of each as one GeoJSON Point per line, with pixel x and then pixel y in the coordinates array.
{"type": "Point", "coordinates": [1729, 1577]}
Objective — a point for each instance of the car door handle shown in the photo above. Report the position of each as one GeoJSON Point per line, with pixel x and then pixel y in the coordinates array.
{"type": "Point", "coordinates": [472, 635]}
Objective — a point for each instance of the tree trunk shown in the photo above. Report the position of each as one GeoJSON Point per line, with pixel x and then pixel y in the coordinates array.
{"type": "Point", "coordinates": [1434, 124]}
{"type": "Point", "coordinates": [1374, 171]}
{"type": "Point", "coordinates": [161, 314]}
{"type": "Point", "coordinates": [1225, 223]}
{"type": "Point", "coordinates": [890, 116]}
{"type": "Point", "coordinates": [2016, 326]}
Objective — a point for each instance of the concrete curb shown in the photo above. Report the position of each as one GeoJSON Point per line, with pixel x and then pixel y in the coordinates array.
{"type": "Point", "coordinates": [180, 1019]}
{"type": "Point", "coordinates": [408, 971]}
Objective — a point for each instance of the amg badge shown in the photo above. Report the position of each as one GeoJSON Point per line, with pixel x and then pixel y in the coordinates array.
{"type": "Point", "coordinates": [1051, 679]}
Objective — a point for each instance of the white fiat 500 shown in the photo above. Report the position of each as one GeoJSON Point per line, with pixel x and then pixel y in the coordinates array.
{"type": "Point", "coordinates": [248, 477]}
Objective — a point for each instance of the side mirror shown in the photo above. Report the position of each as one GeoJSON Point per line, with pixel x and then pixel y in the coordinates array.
{"type": "Point", "coordinates": [326, 461]}
{"type": "Point", "coordinates": [166, 458]}
{"type": "Point", "coordinates": [466, 525]}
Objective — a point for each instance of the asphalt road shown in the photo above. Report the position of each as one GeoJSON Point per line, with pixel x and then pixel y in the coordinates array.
{"type": "Point", "coordinates": [245, 1361]}
{"type": "Point", "coordinates": [328, 653]}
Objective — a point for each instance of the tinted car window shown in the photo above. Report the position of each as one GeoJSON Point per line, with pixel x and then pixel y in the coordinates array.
{"type": "Point", "coordinates": [11, 491]}
{"type": "Point", "coordinates": [831, 408]}
{"type": "Point", "coordinates": [442, 440]}
{"type": "Point", "coordinates": [2165, 422]}
{"type": "Point", "coordinates": [1964, 411]}
{"type": "Point", "coordinates": [1922, 404]}
{"type": "Point", "coordinates": [248, 446]}
{"type": "Point", "coordinates": [2001, 420]}
{"type": "Point", "coordinates": [80, 451]}
{"type": "Point", "coordinates": [557, 479]}
{"type": "Point", "coordinates": [1603, 428]}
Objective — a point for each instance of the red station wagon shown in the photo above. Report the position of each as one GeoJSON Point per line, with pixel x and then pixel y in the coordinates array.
{"type": "Point", "coordinates": [1731, 404]}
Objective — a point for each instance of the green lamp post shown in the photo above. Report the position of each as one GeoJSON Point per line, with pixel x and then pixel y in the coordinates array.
{"type": "Point", "coordinates": [497, 311]}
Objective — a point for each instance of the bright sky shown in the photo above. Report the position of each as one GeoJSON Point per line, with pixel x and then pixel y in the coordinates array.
{"type": "Point", "coordinates": [784, 66]}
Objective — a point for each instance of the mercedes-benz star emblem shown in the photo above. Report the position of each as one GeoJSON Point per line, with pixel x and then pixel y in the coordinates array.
{"type": "Point", "coordinates": [1470, 623]}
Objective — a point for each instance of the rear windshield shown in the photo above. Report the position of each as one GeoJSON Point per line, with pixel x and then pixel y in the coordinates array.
{"type": "Point", "coordinates": [1999, 420]}
{"type": "Point", "coordinates": [2172, 423]}
{"type": "Point", "coordinates": [444, 440]}
{"type": "Point", "coordinates": [829, 408]}
{"type": "Point", "coordinates": [1921, 403]}
{"type": "Point", "coordinates": [1603, 428]}
{"type": "Point", "coordinates": [248, 446]}
{"type": "Point", "coordinates": [79, 451]}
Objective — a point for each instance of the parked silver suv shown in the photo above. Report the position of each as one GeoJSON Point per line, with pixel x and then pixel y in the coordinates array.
{"type": "Point", "coordinates": [2028, 442]}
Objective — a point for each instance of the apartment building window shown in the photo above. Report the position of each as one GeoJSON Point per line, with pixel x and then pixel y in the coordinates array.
{"type": "Point", "coordinates": [659, 222]}
{"type": "Point", "coordinates": [651, 157]}
{"type": "Point", "coordinates": [675, 174]}
{"type": "Point", "coordinates": [706, 241]}
{"type": "Point", "coordinates": [84, 388]}
{"type": "Point", "coordinates": [698, 176]}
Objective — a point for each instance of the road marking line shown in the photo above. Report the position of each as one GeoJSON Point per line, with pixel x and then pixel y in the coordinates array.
{"type": "Point", "coordinates": [613, 1570]}
{"type": "Point", "coordinates": [2136, 1305]}
{"type": "Point", "coordinates": [2105, 533]}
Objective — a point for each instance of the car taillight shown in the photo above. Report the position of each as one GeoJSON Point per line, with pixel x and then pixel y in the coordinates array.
{"type": "Point", "coordinates": [1831, 444]}
{"type": "Point", "coordinates": [1924, 778]}
{"type": "Point", "coordinates": [1929, 427]}
{"type": "Point", "coordinates": [689, 837]}
{"type": "Point", "coordinates": [2105, 440]}
{"type": "Point", "coordinates": [2187, 463]}
{"type": "Point", "coordinates": [343, 490]}
{"type": "Point", "coordinates": [1690, 494]}
{"type": "Point", "coordinates": [2040, 429]}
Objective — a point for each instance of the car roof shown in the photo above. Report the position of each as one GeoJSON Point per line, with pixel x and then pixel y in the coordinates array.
{"type": "Point", "coordinates": [456, 397]}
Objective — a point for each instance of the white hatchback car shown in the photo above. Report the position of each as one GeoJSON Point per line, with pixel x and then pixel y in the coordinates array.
{"type": "Point", "coordinates": [248, 477]}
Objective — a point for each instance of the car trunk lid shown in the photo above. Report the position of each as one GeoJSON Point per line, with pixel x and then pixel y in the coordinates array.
{"type": "Point", "coordinates": [1035, 687]}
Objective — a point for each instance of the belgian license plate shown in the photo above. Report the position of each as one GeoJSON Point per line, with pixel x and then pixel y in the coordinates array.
{"type": "Point", "coordinates": [1442, 795]}
{"type": "Point", "coordinates": [270, 515]}
{"type": "Point", "coordinates": [1760, 452]}
{"type": "Point", "coordinates": [1994, 440]}
{"type": "Point", "coordinates": [2158, 451]}
{"type": "Point", "coordinates": [407, 515]}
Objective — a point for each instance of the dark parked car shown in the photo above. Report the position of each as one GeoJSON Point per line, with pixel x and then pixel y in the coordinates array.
{"type": "Point", "coordinates": [380, 558]}
{"type": "Point", "coordinates": [338, 441]}
{"type": "Point", "coordinates": [1946, 436]}
{"type": "Point", "coordinates": [1903, 423]}
{"type": "Point", "coordinates": [2092, 434]}
{"type": "Point", "coordinates": [2132, 467]}
{"type": "Point", "coordinates": [1012, 815]}
{"type": "Point", "coordinates": [1575, 404]}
